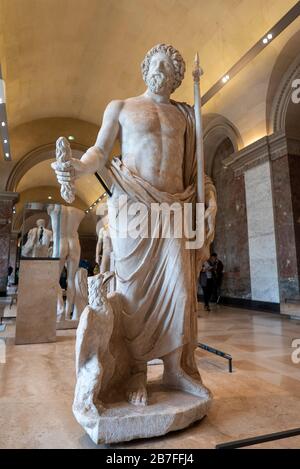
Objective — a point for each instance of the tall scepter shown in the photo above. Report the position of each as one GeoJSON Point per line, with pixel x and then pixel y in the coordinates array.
{"type": "Point", "coordinates": [197, 72]}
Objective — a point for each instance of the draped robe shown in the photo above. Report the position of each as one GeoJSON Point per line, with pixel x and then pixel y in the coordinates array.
{"type": "Point", "coordinates": [157, 277]}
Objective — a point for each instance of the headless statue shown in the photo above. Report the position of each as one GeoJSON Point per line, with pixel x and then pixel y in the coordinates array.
{"type": "Point", "coordinates": [69, 249]}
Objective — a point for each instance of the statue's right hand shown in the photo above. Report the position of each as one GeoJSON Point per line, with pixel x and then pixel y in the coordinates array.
{"type": "Point", "coordinates": [69, 171]}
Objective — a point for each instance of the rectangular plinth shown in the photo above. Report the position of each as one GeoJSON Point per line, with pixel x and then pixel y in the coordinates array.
{"type": "Point", "coordinates": [291, 309]}
{"type": "Point", "coordinates": [37, 300]}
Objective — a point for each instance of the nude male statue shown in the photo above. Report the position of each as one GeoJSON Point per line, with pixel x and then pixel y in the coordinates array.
{"type": "Point", "coordinates": [65, 223]}
{"type": "Point", "coordinates": [156, 278]}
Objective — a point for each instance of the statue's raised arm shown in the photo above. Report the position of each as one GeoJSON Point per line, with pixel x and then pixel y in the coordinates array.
{"type": "Point", "coordinates": [68, 169]}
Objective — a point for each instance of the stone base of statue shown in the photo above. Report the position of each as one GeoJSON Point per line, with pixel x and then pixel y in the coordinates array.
{"type": "Point", "coordinates": [166, 411]}
{"type": "Point", "coordinates": [64, 324]}
{"type": "Point", "coordinates": [103, 371]}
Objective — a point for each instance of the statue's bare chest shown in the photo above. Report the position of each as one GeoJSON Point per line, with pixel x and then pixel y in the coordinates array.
{"type": "Point", "coordinates": [148, 118]}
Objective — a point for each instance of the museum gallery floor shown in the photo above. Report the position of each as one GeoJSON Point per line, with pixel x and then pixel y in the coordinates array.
{"type": "Point", "coordinates": [262, 395]}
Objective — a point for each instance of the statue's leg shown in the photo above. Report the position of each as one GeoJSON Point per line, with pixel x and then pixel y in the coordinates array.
{"type": "Point", "coordinates": [60, 301]}
{"type": "Point", "coordinates": [175, 377]}
{"type": "Point", "coordinates": [73, 258]}
{"type": "Point", "coordinates": [72, 266]}
{"type": "Point", "coordinates": [105, 264]}
{"type": "Point", "coordinates": [136, 389]}
{"type": "Point", "coordinates": [60, 305]}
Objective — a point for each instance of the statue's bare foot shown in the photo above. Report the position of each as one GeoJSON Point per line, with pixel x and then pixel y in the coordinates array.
{"type": "Point", "coordinates": [136, 391]}
{"type": "Point", "coordinates": [181, 381]}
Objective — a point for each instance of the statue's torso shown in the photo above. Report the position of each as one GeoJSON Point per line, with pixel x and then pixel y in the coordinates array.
{"type": "Point", "coordinates": [152, 141]}
{"type": "Point", "coordinates": [71, 218]}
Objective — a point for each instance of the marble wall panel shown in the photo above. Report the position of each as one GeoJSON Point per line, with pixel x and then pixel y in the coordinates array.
{"type": "Point", "coordinates": [5, 229]}
{"type": "Point", "coordinates": [4, 250]}
{"type": "Point", "coordinates": [288, 258]}
{"type": "Point", "coordinates": [261, 234]}
{"type": "Point", "coordinates": [294, 169]}
{"type": "Point", "coordinates": [231, 240]}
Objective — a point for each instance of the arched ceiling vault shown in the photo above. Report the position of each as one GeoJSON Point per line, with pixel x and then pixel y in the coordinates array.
{"type": "Point", "coordinates": [70, 57]}
{"type": "Point", "coordinates": [88, 189]}
{"type": "Point", "coordinates": [64, 60]}
{"type": "Point", "coordinates": [281, 112]}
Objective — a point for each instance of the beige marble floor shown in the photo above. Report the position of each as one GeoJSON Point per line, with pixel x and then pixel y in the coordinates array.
{"type": "Point", "coordinates": [262, 395]}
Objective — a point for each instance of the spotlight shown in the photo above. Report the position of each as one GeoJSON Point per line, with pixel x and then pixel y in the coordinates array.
{"type": "Point", "coordinates": [270, 36]}
{"type": "Point", "coordinates": [3, 124]}
{"type": "Point", "coordinates": [7, 155]}
{"type": "Point", "coordinates": [49, 197]}
{"type": "Point", "coordinates": [225, 79]}
{"type": "Point", "coordinates": [5, 140]}
{"type": "Point", "coordinates": [71, 138]}
{"type": "Point", "coordinates": [265, 40]}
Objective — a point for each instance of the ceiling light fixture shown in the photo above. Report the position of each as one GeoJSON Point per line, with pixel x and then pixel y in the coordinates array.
{"type": "Point", "coordinates": [225, 79]}
{"type": "Point", "coordinates": [71, 137]}
{"type": "Point", "coordinates": [96, 203]}
{"type": "Point", "coordinates": [49, 197]}
{"type": "Point", "coordinates": [5, 140]}
{"type": "Point", "coordinates": [7, 155]}
{"type": "Point", "coordinates": [3, 124]}
{"type": "Point", "coordinates": [268, 38]}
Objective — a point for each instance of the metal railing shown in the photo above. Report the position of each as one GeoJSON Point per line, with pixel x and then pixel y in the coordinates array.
{"type": "Point", "coordinates": [215, 351]}
{"type": "Point", "coordinates": [259, 439]}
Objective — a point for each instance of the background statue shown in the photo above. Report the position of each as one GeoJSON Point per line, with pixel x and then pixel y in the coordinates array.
{"type": "Point", "coordinates": [65, 223]}
{"type": "Point", "coordinates": [38, 241]}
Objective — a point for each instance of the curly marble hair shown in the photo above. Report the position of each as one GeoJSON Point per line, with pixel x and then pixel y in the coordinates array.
{"type": "Point", "coordinates": [173, 54]}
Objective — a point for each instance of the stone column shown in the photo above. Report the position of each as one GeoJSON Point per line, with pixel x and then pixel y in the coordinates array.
{"type": "Point", "coordinates": [285, 159]}
{"type": "Point", "coordinates": [7, 201]}
{"type": "Point", "coordinates": [254, 163]}
{"type": "Point", "coordinates": [272, 171]}
{"type": "Point", "coordinates": [261, 234]}
{"type": "Point", "coordinates": [13, 251]}
{"type": "Point", "coordinates": [231, 237]}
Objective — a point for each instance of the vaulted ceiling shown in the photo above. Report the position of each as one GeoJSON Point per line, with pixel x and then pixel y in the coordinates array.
{"type": "Point", "coordinates": [64, 60]}
{"type": "Point", "coordinates": [68, 58]}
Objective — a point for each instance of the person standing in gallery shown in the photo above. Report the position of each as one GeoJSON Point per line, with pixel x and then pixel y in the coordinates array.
{"type": "Point", "coordinates": [218, 268]}
{"type": "Point", "coordinates": [206, 282]}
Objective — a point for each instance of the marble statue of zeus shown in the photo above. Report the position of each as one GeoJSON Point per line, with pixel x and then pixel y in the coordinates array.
{"type": "Point", "coordinates": [156, 278]}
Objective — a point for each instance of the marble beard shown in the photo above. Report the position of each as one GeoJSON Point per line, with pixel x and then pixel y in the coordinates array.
{"type": "Point", "coordinates": [152, 313]}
